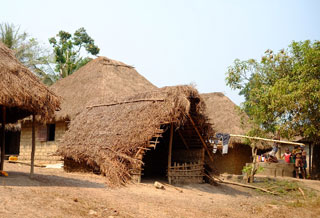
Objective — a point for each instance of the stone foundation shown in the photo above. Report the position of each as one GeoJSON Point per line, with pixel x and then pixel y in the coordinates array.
{"type": "Point", "coordinates": [277, 169]}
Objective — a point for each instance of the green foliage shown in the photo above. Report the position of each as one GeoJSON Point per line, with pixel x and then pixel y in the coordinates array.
{"type": "Point", "coordinates": [248, 170]}
{"type": "Point", "coordinates": [68, 48]}
{"type": "Point", "coordinates": [28, 51]}
{"type": "Point", "coordinates": [10, 36]}
{"type": "Point", "coordinates": [282, 90]}
{"type": "Point", "coordinates": [289, 190]}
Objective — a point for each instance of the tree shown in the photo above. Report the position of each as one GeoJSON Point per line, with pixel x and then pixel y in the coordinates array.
{"type": "Point", "coordinates": [28, 51]}
{"type": "Point", "coordinates": [68, 49]}
{"type": "Point", "coordinates": [282, 91]}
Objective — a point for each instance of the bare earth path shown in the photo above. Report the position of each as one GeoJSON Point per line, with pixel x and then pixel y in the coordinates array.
{"type": "Point", "coordinates": [55, 193]}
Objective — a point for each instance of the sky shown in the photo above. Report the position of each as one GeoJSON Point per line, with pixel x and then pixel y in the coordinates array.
{"type": "Point", "coordinates": [174, 42]}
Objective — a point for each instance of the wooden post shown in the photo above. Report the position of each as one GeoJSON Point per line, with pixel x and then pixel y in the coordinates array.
{"type": "Point", "coordinates": [254, 163]}
{"type": "Point", "coordinates": [3, 137]}
{"type": "Point", "coordinates": [202, 155]}
{"type": "Point", "coordinates": [310, 165]}
{"type": "Point", "coordinates": [170, 152]}
{"type": "Point", "coordinates": [183, 140]}
{"type": "Point", "coordinates": [33, 149]}
{"type": "Point", "coordinates": [203, 142]}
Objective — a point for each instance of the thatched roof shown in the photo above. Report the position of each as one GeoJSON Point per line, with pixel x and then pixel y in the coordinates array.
{"type": "Point", "coordinates": [21, 92]}
{"type": "Point", "coordinates": [110, 136]}
{"type": "Point", "coordinates": [102, 79]}
{"type": "Point", "coordinates": [225, 115]}
{"type": "Point", "coordinates": [12, 127]}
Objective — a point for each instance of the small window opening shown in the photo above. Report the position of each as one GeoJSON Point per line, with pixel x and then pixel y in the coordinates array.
{"type": "Point", "coordinates": [51, 128]}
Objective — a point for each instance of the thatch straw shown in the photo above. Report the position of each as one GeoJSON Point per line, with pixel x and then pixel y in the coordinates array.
{"type": "Point", "coordinates": [21, 92]}
{"type": "Point", "coordinates": [12, 127]}
{"type": "Point", "coordinates": [110, 136]}
{"type": "Point", "coordinates": [102, 79]}
{"type": "Point", "coordinates": [226, 116]}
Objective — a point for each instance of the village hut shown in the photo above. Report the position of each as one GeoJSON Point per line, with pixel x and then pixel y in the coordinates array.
{"type": "Point", "coordinates": [157, 134]}
{"type": "Point", "coordinates": [100, 79]}
{"type": "Point", "coordinates": [226, 117]}
{"type": "Point", "coordinates": [22, 94]}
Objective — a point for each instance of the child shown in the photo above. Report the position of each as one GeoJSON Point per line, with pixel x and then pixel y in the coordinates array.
{"type": "Point", "coordinates": [304, 163]}
{"type": "Point", "coordinates": [298, 163]}
{"type": "Point", "coordinates": [293, 154]}
{"type": "Point", "coordinates": [287, 156]}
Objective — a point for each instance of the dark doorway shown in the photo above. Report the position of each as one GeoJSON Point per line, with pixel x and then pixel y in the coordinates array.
{"type": "Point", "coordinates": [156, 160]}
{"type": "Point", "coordinates": [51, 128]}
{"type": "Point", "coordinates": [12, 142]}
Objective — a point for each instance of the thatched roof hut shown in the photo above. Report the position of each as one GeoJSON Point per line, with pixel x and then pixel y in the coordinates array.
{"type": "Point", "coordinates": [110, 135]}
{"type": "Point", "coordinates": [102, 79]}
{"type": "Point", "coordinates": [21, 92]}
{"type": "Point", "coordinates": [225, 115]}
{"type": "Point", "coordinates": [22, 95]}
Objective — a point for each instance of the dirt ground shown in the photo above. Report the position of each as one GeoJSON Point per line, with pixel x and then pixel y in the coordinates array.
{"type": "Point", "coordinates": [55, 193]}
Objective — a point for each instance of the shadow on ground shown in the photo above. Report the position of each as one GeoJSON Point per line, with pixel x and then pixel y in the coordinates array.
{"type": "Point", "coordinates": [224, 189]}
{"type": "Point", "coordinates": [23, 179]}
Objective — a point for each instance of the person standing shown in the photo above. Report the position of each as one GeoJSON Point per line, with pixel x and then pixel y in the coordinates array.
{"type": "Point", "coordinates": [304, 163]}
{"type": "Point", "coordinates": [299, 163]}
{"type": "Point", "coordinates": [287, 155]}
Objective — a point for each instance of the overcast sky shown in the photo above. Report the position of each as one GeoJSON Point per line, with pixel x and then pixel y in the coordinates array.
{"type": "Point", "coordinates": [174, 42]}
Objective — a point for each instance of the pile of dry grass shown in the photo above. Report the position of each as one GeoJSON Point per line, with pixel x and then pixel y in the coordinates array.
{"type": "Point", "coordinates": [102, 79]}
{"type": "Point", "coordinates": [109, 135]}
{"type": "Point", "coordinates": [21, 92]}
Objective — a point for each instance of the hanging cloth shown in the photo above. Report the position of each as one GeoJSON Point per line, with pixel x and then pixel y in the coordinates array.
{"type": "Point", "coordinates": [224, 137]}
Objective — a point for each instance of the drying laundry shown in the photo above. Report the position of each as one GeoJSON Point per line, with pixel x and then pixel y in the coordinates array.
{"type": "Point", "coordinates": [215, 147]}
{"type": "Point", "coordinates": [224, 137]}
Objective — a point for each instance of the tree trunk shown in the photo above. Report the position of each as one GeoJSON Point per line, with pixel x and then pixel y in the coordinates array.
{"type": "Point", "coordinates": [254, 163]}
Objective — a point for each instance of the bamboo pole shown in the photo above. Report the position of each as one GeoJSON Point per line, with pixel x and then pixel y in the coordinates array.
{"type": "Point", "coordinates": [202, 155]}
{"type": "Point", "coordinates": [3, 137]}
{"type": "Point", "coordinates": [170, 152]}
{"type": "Point", "coordinates": [240, 184]}
{"type": "Point", "coordinates": [183, 140]}
{"type": "Point", "coordinates": [33, 149]}
{"type": "Point", "coordinates": [203, 142]}
{"type": "Point", "coordinates": [269, 140]}
{"type": "Point", "coordinates": [123, 102]}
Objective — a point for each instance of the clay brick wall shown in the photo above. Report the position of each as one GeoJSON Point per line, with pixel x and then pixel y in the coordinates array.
{"type": "Point", "coordinates": [44, 149]}
{"type": "Point", "coordinates": [233, 162]}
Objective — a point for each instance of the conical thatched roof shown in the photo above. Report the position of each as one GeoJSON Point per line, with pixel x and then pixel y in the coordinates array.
{"type": "Point", "coordinates": [102, 79]}
{"type": "Point", "coordinates": [224, 114]}
{"type": "Point", "coordinates": [20, 90]}
{"type": "Point", "coordinates": [109, 136]}
{"type": "Point", "coordinates": [226, 117]}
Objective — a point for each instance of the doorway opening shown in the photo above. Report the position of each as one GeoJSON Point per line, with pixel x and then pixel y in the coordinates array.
{"type": "Point", "coordinates": [156, 160]}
